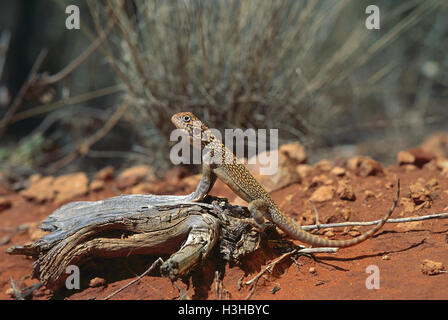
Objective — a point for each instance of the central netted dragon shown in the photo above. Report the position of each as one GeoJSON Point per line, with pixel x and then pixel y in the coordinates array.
{"type": "Point", "coordinates": [235, 175]}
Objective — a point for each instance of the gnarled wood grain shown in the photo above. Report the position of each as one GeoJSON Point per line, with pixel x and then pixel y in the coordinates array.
{"type": "Point", "coordinates": [139, 224]}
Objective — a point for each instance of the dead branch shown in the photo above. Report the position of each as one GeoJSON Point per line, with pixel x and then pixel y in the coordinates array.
{"type": "Point", "coordinates": [65, 102]}
{"type": "Point", "coordinates": [369, 223]}
{"type": "Point", "coordinates": [23, 90]}
{"type": "Point", "coordinates": [84, 148]}
{"type": "Point", "coordinates": [62, 74]}
{"type": "Point", "coordinates": [268, 268]}
{"type": "Point", "coordinates": [138, 224]}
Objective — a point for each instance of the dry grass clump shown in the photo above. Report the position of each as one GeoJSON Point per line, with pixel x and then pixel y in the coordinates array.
{"type": "Point", "coordinates": [310, 68]}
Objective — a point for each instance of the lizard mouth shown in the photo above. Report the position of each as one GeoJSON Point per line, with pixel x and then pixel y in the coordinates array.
{"type": "Point", "coordinates": [175, 120]}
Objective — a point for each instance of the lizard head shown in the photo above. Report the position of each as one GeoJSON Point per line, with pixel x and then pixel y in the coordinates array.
{"type": "Point", "coordinates": [192, 125]}
{"type": "Point", "coordinates": [185, 120]}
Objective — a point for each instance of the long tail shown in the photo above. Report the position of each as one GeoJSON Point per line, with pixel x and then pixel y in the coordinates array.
{"type": "Point", "coordinates": [317, 241]}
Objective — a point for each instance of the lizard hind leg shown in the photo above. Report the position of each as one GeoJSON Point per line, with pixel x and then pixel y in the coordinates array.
{"type": "Point", "coordinates": [258, 209]}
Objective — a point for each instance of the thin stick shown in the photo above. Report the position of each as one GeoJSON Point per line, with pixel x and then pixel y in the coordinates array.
{"type": "Point", "coordinates": [65, 102]}
{"type": "Point", "coordinates": [84, 148]}
{"type": "Point", "coordinates": [318, 250]}
{"type": "Point", "coordinates": [269, 267]}
{"type": "Point", "coordinates": [218, 285]}
{"type": "Point", "coordinates": [369, 223]}
{"type": "Point", "coordinates": [21, 94]}
{"type": "Point", "coordinates": [62, 74]}
{"type": "Point", "coordinates": [17, 293]}
{"type": "Point", "coordinates": [251, 293]}
{"type": "Point", "coordinates": [158, 261]}
{"type": "Point", "coordinates": [316, 214]}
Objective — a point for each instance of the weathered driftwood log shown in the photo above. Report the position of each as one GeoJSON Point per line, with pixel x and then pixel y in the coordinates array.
{"type": "Point", "coordinates": [139, 224]}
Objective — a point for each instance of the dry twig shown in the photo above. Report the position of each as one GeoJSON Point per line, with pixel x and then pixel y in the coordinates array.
{"type": "Point", "coordinates": [157, 262]}
{"type": "Point", "coordinates": [369, 223]}
{"type": "Point", "coordinates": [84, 148]}
{"type": "Point", "coordinates": [23, 90]}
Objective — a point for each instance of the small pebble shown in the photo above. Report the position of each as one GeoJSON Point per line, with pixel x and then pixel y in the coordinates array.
{"type": "Point", "coordinates": [10, 292]}
{"type": "Point", "coordinates": [430, 267]}
{"type": "Point", "coordinates": [97, 282]}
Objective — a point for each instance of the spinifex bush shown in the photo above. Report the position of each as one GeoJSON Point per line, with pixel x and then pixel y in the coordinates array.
{"type": "Point", "coordinates": [305, 67]}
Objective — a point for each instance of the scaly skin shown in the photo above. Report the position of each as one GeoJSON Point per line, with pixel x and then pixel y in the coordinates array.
{"type": "Point", "coordinates": [243, 183]}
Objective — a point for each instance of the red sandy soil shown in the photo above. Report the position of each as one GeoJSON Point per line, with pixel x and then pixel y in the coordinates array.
{"type": "Point", "coordinates": [398, 250]}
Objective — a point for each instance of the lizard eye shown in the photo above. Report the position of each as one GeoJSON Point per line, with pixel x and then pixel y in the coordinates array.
{"type": "Point", "coordinates": [186, 118]}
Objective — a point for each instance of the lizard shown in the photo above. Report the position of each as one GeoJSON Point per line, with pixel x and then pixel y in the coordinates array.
{"type": "Point", "coordinates": [260, 204]}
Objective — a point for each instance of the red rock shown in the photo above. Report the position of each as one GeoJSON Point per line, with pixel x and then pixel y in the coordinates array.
{"type": "Point", "coordinates": [323, 165]}
{"type": "Point", "coordinates": [3, 189]}
{"type": "Point", "coordinates": [338, 171]}
{"type": "Point", "coordinates": [415, 156]}
{"type": "Point", "coordinates": [319, 180]}
{"type": "Point", "coordinates": [354, 232]}
{"type": "Point", "coordinates": [134, 175]}
{"type": "Point", "coordinates": [97, 282]}
{"type": "Point", "coordinates": [106, 173]}
{"type": "Point", "coordinates": [436, 144]}
{"type": "Point", "coordinates": [346, 213]}
{"type": "Point", "coordinates": [409, 167]}
{"type": "Point", "coordinates": [5, 240]}
{"type": "Point", "coordinates": [365, 166]}
{"type": "Point", "coordinates": [323, 194]}
{"type": "Point", "coordinates": [5, 203]}
{"type": "Point", "coordinates": [345, 191]}
{"type": "Point", "coordinates": [420, 194]}
{"type": "Point", "coordinates": [127, 182]}
{"type": "Point", "coordinates": [69, 186]}
{"type": "Point", "coordinates": [96, 185]}
{"type": "Point", "coordinates": [144, 188]}
{"type": "Point", "coordinates": [304, 170]}
{"type": "Point", "coordinates": [430, 267]}
{"type": "Point", "coordinates": [295, 152]}
{"type": "Point", "coordinates": [34, 178]}
{"type": "Point", "coordinates": [308, 218]}
{"type": "Point", "coordinates": [408, 226]}
{"type": "Point", "coordinates": [442, 163]}
{"type": "Point", "coordinates": [40, 190]}
{"type": "Point", "coordinates": [329, 233]}
{"type": "Point", "coordinates": [176, 174]}
{"type": "Point", "coordinates": [368, 194]}
{"type": "Point", "coordinates": [10, 292]}
{"type": "Point", "coordinates": [405, 157]}
{"type": "Point", "coordinates": [285, 174]}
{"type": "Point", "coordinates": [433, 184]}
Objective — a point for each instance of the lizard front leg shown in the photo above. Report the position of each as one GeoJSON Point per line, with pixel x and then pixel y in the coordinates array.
{"type": "Point", "coordinates": [205, 184]}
